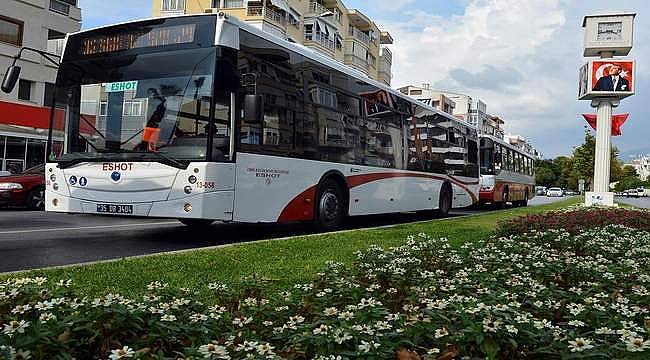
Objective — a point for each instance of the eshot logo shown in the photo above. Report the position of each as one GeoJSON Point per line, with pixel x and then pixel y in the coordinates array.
{"type": "Point", "coordinates": [73, 180]}
{"type": "Point", "coordinates": [116, 176]}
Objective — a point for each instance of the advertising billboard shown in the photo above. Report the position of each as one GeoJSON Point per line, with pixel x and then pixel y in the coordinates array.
{"type": "Point", "coordinates": [606, 78]}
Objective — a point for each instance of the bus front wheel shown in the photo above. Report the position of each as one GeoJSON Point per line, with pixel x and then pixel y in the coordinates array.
{"type": "Point", "coordinates": [196, 223]}
{"type": "Point", "coordinates": [330, 206]}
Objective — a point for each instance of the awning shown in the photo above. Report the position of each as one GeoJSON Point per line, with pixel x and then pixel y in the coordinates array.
{"type": "Point", "coordinates": [294, 14]}
{"type": "Point", "coordinates": [282, 4]}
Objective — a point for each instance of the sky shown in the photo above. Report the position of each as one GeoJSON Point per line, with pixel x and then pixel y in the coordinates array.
{"type": "Point", "coordinates": [521, 57]}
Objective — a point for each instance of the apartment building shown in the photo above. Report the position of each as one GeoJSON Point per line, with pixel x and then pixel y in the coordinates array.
{"type": "Point", "coordinates": [327, 26]}
{"type": "Point", "coordinates": [642, 166]}
{"type": "Point", "coordinates": [24, 114]}
{"type": "Point", "coordinates": [462, 106]}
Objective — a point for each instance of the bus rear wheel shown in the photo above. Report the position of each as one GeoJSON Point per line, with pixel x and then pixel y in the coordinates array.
{"type": "Point", "coordinates": [330, 206]}
{"type": "Point", "coordinates": [196, 223]}
{"type": "Point", "coordinates": [445, 200]}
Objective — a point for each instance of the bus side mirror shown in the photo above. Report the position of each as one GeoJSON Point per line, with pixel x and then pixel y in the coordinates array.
{"type": "Point", "coordinates": [253, 109]}
{"type": "Point", "coordinates": [10, 79]}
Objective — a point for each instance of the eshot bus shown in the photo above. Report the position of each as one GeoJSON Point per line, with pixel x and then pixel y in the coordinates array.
{"type": "Point", "coordinates": [507, 173]}
{"type": "Point", "coordinates": [203, 118]}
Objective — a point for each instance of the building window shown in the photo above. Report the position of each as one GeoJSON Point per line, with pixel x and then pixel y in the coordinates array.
{"type": "Point", "coordinates": [60, 6]}
{"type": "Point", "coordinates": [233, 4]}
{"type": "Point", "coordinates": [11, 31]}
{"type": "Point", "coordinates": [416, 92]}
{"type": "Point", "coordinates": [173, 5]}
{"type": "Point", "coordinates": [25, 89]}
{"type": "Point", "coordinates": [309, 31]}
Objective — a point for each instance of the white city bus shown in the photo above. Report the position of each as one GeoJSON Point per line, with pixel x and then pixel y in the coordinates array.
{"type": "Point", "coordinates": [203, 118]}
{"type": "Point", "coordinates": [507, 173]}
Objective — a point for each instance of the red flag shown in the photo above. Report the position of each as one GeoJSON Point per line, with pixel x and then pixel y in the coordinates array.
{"type": "Point", "coordinates": [617, 122]}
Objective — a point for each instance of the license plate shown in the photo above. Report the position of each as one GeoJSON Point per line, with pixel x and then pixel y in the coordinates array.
{"type": "Point", "coordinates": [115, 209]}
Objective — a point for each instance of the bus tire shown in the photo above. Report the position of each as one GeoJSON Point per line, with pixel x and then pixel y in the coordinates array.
{"type": "Point", "coordinates": [445, 201]}
{"type": "Point", "coordinates": [330, 208]}
{"type": "Point", "coordinates": [196, 223]}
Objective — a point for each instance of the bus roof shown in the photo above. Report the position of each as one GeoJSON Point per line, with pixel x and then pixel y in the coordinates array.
{"type": "Point", "coordinates": [300, 49]}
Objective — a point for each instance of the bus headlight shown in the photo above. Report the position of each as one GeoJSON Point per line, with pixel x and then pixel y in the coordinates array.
{"type": "Point", "coordinates": [52, 177]}
{"type": "Point", "coordinates": [192, 179]}
{"type": "Point", "coordinates": [187, 208]}
{"type": "Point", "coordinates": [188, 190]}
{"type": "Point", "coordinates": [55, 186]}
{"type": "Point", "coordinates": [55, 202]}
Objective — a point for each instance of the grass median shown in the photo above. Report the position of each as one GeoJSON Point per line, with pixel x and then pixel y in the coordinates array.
{"type": "Point", "coordinates": [284, 262]}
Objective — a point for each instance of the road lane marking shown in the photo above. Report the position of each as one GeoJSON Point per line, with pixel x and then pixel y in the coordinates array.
{"type": "Point", "coordinates": [9, 232]}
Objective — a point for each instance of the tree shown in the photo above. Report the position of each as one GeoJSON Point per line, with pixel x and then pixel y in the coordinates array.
{"type": "Point", "coordinates": [545, 173]}
{"type": "Point", "coordinates": [584, 157]}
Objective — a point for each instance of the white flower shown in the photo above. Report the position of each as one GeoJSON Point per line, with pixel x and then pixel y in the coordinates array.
{"type": "Point", "coordinates": [265, 349]}
{"type": "Point", "coordinates": [168, 317]}
{"type": "Point", "coordinates": [341, 336]}
{"type": "Point", "coordinates": [580, 344]}
{"type": "Point", "coordinates": [512, 329]}
{"type": "Point", "coordinates": [367, 346]}
{"type": "Point", "coordinates": [213, 351]}
{"type": "Point", "coordinates": [45, 317]}
{"type": "Point", "coordinates": [14, 327]}
{"type": "Point", "coordinates": [320, 330]}
{"type": "Point", "coordinates": [441, 333]}
{"type": "Point", "coordinates": [433, 351]}
{"type": "Point", "coordinates": [123, 353]}
{"type": "Point", "coordinates": [635, 344]}
{"type": "Point", "coordinates": [330, 311]}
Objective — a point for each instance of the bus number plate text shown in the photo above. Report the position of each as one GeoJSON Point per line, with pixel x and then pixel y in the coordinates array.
{"type": "Point", "coordinates": [115, 209]}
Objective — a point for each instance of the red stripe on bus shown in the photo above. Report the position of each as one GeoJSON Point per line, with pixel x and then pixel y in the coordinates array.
{"type": "Point", "coordinates": [301, 208]}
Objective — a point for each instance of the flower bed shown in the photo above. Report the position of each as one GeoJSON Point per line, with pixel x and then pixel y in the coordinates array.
{"type": "Point", "coordinates": [544, 295]}
{"type": "Point", "coordinates": [575, 220]}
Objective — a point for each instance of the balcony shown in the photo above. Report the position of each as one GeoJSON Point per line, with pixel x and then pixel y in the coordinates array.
{"type": "Point", "coordinates": [358, 35]}
{"type": "Point", "coordinates": [255, 10]}
{"type": "Point", "coordinates": [55, 46]}
{"type": "Point", "coordinates": [357, 62]}
{"type": "Point", "coordinates": [316, 9]}
{"type": "Point", "coordinates": [165, 13]}
{"type": "Point", "coordinates": [275, 16]}
{"type": "Point", "coordinates": [321, 39]}
{"type": "Point", "coordinates": [65, 7]}
{"type": "Point", "coordinates": [387, 55]}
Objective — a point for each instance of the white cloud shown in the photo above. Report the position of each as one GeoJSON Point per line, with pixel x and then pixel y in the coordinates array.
{"type": "Point", "coordinates": [520, 57]}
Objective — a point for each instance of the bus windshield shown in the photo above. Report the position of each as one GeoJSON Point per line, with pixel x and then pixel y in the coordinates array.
{"type": "Point", "coordinates": [149, 106]}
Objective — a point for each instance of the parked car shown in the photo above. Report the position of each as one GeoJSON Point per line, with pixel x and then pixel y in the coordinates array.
{"type": "Point", "coordinates": [540, 190]}
{"type": "Point", "coordinates": [4, 173]}
{"type": "Point", "coordinates": [24, 189]}
{"type": "Point", "coordinates": [554, 191]}
{"type": "Point", "coordinates": [570, 193]}
{"type": "Point", "coordinates": [633, 193]}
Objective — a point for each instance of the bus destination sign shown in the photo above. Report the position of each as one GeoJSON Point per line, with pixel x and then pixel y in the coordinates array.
{"type": "Point", "coordinates": [151, 38]}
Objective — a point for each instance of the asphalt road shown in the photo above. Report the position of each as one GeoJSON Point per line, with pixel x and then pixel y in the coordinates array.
{"type": "Point", "coordinates": [35, 239]}
{"type": "Point", "coordinates": [642, 202]}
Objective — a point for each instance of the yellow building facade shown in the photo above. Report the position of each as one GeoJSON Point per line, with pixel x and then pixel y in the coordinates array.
{"type": "Point", "coordinates": [327, 26]}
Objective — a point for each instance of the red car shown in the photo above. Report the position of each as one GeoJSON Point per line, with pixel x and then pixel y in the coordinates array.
{"type": "Point", "coordinates": [25, 189]}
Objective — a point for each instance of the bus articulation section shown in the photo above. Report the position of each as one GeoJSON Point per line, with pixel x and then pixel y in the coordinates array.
{"type": "Point", "coordinates": [203, 118]}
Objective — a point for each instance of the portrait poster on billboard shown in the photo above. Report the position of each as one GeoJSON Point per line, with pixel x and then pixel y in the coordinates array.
{"type": "Point", "coordinates": [607, 78]}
